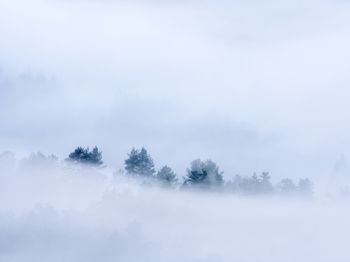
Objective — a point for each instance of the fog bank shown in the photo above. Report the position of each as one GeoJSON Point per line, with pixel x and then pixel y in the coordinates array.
{"type": "Point", "coordinates": [55, 212]}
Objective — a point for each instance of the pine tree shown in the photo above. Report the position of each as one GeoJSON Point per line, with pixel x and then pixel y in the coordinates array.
{"type": "Point", "coordinates": [204, 174]}
{"type": "Point", "coordinates": [166, 176]}
{"type": "Point", "coordinates": [305, 187]}
{"type": "Point", "coordinates": [85, 156]}
{"type": "Point", "coordinates": [287, 187]}
{"type": "Point", "coordinates": [265, 185]}
{"type": "Point", "coordinates": [139, 163]}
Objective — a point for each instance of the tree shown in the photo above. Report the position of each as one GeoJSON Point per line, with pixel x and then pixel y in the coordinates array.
{"type": "Point", "coordinates": [287, 187]}
{"type": "Point", "coordinates": [85, 156]}
{"type": "Point", "coordinates": [250, 185]}
{"type": "Point", "coordinates": [204, 174]}
{"type": "Point", "coordinates": [166, 176]}
{"type": "Point", "coordinates": [305, 187]}
{"type": "Point", "coordinates": [265, 185]}
{"type": "Point", "coordinates": [139, 163]}
{"type": "Point", "coordinates": [234, 185]}
{"type": "Point", "coordinates": [39, 160]}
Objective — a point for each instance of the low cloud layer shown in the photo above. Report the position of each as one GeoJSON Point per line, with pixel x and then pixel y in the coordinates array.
{"type": "Point", "coordinates": [54, 212]}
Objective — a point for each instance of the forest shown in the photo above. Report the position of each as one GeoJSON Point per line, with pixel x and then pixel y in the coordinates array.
{"type": "Point", "coordinates": [200, 175]}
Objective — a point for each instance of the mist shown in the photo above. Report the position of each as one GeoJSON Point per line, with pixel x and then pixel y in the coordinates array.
{"type": "Point", "coordinates": [257, 87]}
{"type": "Point", "coordinates": [53, 211]}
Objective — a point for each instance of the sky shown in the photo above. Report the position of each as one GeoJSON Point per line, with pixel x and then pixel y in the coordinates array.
{"type": "Point", "coordinates": [254, 86]}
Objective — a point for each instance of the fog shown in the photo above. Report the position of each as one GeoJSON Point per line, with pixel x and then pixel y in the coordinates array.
{"type": "Point", "coordinates": [255, 86]}
{"type": "Point", "coordinates": [52, 211]}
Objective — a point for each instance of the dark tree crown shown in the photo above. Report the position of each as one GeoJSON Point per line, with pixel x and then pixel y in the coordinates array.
{"type": "Point", "coordinates": [85, 156]}
{"type": "Point", "coordinates": [139, 163]}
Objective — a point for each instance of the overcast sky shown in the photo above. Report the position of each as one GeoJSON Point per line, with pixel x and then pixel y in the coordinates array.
{"type": "Point", "coordinates": [253, 85]}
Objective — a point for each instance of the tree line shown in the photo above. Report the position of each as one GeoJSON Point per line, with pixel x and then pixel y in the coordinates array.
{"type": "Point", "coordinates": [200, 175]}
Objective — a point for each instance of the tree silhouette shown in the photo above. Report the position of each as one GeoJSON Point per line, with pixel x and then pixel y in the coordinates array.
{"type": "Point", "coordinates": [166, 176]}
{"type": "Point", "coordinates": [204, 174]}
{"type": "Point", "coordinates": [251, 185]}
{"type": "Point", "coordinates": [139, 163]}
{"type": "Point", "coordinates": [305, 187]}
{"type": "Point", "coordinates": [265, 186]}
{"type": "Point", "coordinates": [287, 187]}
{"type": "Point", "coordinates": [85, 156]}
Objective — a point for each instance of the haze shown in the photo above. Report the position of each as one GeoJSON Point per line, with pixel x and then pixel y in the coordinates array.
{"type": "Point", "coordinates": [255, 86]}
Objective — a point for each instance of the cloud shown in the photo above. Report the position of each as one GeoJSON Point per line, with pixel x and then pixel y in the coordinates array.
{"type": "Point", "coordinates": [56, 212]}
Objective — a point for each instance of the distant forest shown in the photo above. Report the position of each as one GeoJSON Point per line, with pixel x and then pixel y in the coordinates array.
{"type": "Point", "coordinates": [200, 175]}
